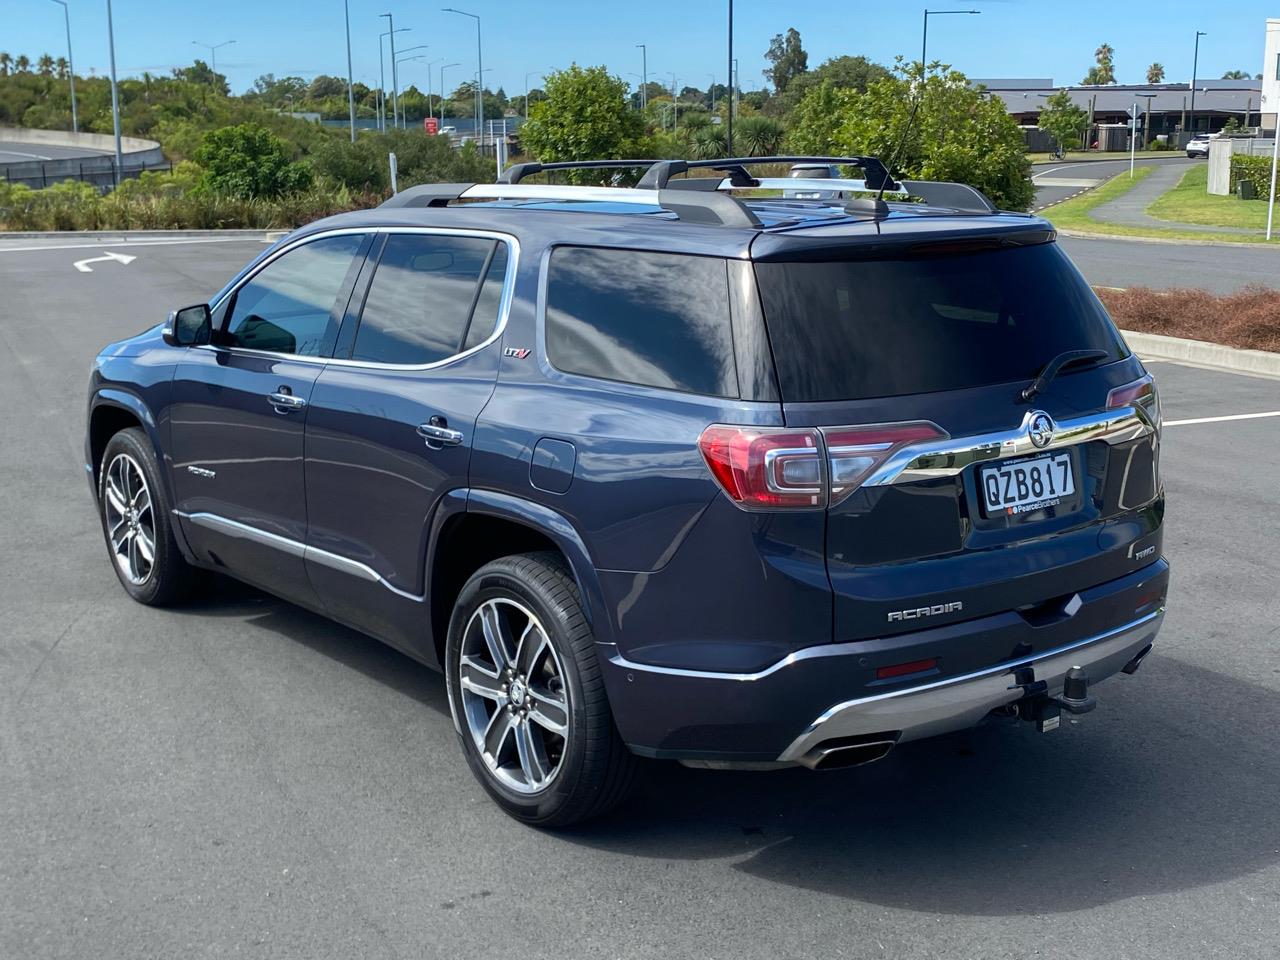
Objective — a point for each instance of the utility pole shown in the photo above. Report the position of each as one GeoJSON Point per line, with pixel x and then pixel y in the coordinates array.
{"type": "Point", "coordinates": [71, 66]}
{"type": "Point", "coordinates": [644, 75]}
{"type": "Point", "coordinates": [733, 83]}
{"type": "Point", "coordinates": [115, 94]}
{"type": "Point", "coordinates": [351, 93]}
{"type": "Point", "coordinates": [1195, 64]}
{"type": "Point", "coordinates": [395, 95]}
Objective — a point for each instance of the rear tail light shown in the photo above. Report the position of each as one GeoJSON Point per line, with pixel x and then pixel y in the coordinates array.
{"type": "Point", "coordinates": [1141, 393]}
{"type": "Point", "coordinates": [854, 452]}
{"type": "Point", "coordinates": [769, 468]}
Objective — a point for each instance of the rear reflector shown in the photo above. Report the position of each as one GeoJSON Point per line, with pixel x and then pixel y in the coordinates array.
{"type": "Point", "coordinates": [902, 669]}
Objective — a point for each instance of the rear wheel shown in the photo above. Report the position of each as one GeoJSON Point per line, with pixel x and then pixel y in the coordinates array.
{"type": "Point", "coordinates": [527, 695]}
{"type": "Point", "coordinates": [137, 523]}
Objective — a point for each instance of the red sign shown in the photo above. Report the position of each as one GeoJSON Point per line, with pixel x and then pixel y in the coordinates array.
{"type": "Point", "coordinates": [431, 125]}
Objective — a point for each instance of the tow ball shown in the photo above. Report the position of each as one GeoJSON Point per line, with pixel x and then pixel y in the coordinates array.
{"type": "Point", "coordinates": [1044, 711]}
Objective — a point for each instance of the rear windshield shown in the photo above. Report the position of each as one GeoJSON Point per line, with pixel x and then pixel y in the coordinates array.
{"type": "Point", "coordinates": [853, 330]}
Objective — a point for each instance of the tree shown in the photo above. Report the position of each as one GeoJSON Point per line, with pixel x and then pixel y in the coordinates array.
{"type": "Point", "coordinates": [1155, 73]}
{"type": "Point", "coordinates": [954, 133]}
{"type": "Point", "coordinates": [325, 86]}
{"type": "Point", "coordinates": [6, 63]}
{"type": "Point", "coordinates": [585, 117]}
{"type": "Point", "coordinates": [1104, 72]}
{"type": "Point", "coordinates": [759, 136]}
{"type": "Point", "coordinates": [61, 68]}
{"type": "Point", "coordinates": [787, 58]}
{"type": "Point", "coordinates": [1063, 120]}
{"type": "Point", "coordinates": [249, 161]}
{"type": "Point", "coordinates": [1236, 75]}
{"type": "Point", "coordinates": [44, 66]}
{"type": "Point", "coordinates": [22, 64]}
{"type": "Point", "coordinates": [201, 73]}
{"type": "Point", "coordinates": [849, 73]}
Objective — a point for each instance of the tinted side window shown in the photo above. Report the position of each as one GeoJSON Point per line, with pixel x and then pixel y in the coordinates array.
{"type": "Point", "coordinates": [421, 297]}
{"type": "Point", "coordinates": [657, 319]}
{"type": "Point", "coordinates": [290, 306]}
{"type": "Point", "coordinates": [485, 316]}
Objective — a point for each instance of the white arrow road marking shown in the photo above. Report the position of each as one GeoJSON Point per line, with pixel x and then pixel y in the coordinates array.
{"type": "Point", "coordinates": [83, 265]}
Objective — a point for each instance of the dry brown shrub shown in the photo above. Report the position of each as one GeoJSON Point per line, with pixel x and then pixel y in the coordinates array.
{"type": "Point", "coordinates": [1249, 318]}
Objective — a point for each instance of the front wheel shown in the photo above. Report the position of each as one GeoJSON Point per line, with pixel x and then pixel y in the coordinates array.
{"type": "Point", "coordinates": [527, 695]}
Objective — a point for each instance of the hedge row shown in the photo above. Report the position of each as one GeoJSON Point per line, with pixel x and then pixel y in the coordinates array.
{"type": "Point", "coordinates": [1257, 169]}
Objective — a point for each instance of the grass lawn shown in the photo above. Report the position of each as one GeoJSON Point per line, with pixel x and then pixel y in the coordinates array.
{"type": "Point", "coordinates": [1189, 203]}
{"type": "Point", "coordinates": [1073, 215]}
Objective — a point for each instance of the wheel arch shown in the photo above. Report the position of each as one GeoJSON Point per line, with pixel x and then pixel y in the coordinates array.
{"type": "Point", "coordinates": [110, 412]}
{"type": "Point", "coordinates": [477, 526]}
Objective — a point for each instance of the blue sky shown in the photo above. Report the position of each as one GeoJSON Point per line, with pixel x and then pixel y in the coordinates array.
{"type": "Point", "coordinates": [1024, 38]}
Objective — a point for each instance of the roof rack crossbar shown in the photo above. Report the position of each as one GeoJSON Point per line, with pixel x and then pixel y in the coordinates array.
{"type": "Point", "coordinates": [658, 175]}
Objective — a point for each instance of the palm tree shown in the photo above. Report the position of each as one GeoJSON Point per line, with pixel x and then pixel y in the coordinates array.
{"type": "Point", "coordinates": [22, 64]}
{"type": "Point", "coordinates": [1155, 73]}
{"type": "Point", "coordinates": [760, 136]}
{"type": "Point", "coordinates": [61, 68]}
{"type": "Point", "coordinates": [1105, 55]}
{"type": "Point", "coordinates": [709, 142]}
{"type": "Point", "coordinates": [6, 61]}
{"type": "Point", "coordinates": [1236, 75]}
{"type": "Point", "coordinates": [44, 66]}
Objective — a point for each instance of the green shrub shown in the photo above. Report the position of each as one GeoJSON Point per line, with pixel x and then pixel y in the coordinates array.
{"type": "Point", "coordinates": [363, 165]}
{"type": "Point", "coordinates": [249, 161]}
{"type": "Point", "coordinates": [1255, 169]}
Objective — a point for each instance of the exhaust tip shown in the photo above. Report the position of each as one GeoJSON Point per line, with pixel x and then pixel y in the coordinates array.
{"type": "Point", "coordinates": [841, 753]}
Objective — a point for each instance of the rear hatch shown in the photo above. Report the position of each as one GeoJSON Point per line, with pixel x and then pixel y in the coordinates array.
{"type": "Point", "coordinates": [951, 496]}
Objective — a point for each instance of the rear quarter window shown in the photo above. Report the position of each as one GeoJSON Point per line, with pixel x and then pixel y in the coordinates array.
{"type": "Point", "coordinates": [654, 319]}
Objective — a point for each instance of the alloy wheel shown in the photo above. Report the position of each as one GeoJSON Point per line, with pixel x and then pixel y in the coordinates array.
{"type": "Point", "coordinates": [514, 695]}
{"type": "Point", "coordinates": [127, 507]}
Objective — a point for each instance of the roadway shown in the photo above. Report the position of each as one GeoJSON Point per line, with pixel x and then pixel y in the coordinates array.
{"type": "Point", "coordinates": [242, 777]}
{"type": "Point", "coordinates": [1058, 181]}
{"type": "Point", "coordinates": [12, 151]}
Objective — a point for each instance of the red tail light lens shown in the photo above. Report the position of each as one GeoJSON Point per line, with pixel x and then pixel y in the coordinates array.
{"type": "Point", "coordinates": [1140, 393]}
{"type": "Point", "coordinates": [766, 468]}
{"type": "Point", "coordinates": [854, 452]}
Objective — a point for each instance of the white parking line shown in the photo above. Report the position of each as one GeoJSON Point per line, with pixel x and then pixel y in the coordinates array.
{"type": "Point", "coordinates": [1238, 416]}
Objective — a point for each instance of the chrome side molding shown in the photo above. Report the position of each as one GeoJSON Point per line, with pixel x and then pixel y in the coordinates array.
{"type": "Point", "coordinates": [243, 531]}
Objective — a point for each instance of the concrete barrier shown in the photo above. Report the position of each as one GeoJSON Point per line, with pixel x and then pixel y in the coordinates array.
{"type": "Point", "coordinates": [96, 166]}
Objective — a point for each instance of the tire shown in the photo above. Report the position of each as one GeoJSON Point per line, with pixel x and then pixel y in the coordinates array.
{"type": "Point", "coordinates": [535, 774]}
{"type": "Point", "coordinates": [136, 519]}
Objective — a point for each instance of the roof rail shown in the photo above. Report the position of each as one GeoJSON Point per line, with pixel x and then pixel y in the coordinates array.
{"type": "Point", "coordinates": [518, 171]}
{"type": "Point", "coordinates": [658, 175]}
{"type": "Point", "coordinates": [956, 196]}
{"type": "Point", "coordinates": [427, 195]}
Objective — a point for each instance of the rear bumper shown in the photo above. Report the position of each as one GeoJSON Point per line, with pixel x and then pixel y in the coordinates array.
{"type": "Point", "coordinates": [956, 703]}
{"type": "Point", "coordinates": [830, 691]}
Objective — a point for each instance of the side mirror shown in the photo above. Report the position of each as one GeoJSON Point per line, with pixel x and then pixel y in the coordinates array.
{"type": "Point", "coordinates": [188, 327]}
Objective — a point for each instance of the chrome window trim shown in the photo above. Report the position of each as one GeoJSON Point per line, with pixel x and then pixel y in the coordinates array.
{"type": "Point", "coordinates": [244, 531]}
{"type": "Point", "coordinates": [950, 456]}
{"type": "Point", "coordinates": [504, 305]}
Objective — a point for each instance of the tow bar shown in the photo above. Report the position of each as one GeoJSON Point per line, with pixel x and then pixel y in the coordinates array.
{"type": "Point", "coordinates": [1045, 711]}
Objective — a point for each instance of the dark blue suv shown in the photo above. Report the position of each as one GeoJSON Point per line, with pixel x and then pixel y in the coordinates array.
{"type": "Point", "coordinates": [661, 471]}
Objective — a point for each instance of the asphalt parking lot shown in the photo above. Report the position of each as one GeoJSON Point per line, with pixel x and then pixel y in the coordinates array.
{"type": "Point", "coordinates": [240, 777]}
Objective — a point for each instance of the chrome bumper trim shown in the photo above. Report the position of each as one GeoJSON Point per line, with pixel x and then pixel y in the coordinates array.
{"type": "Point", "coordinates": [955, 703]}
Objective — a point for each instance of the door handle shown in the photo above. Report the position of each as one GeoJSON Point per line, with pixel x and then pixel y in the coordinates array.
{"type": "Point", "coordinates": [285, 402]}
{"type": "Point", "coordinates": [438, 435]}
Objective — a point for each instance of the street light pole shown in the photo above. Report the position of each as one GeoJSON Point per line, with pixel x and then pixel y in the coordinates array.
{"type": "Point", "coordinates": [395, 89]}
{"type": "Point", "coordinates": [531, 73]}
{"type": "Point", "coordinates": [1195, 65]}
{"type": "Point", "coordinates": [733, 78]}
{"type": "Point", "coordinates": [71, 66]}
{"type": "Point", "coordinates": [351, 92]}
{"type": "Point", "coordinates": [213, 52]}
{"type": "Point", "coordinates": [924, 39]}
{"type": "Point", "coordinates": [115, 93]}
{"type": "Point", "coordinates": [430, 64]}
{"type": "Point", "coordinates": [711, 90]}
{"type": "Point", "coordinates": [382, 79]}
{"type": "Point", "coordinates": [479, 71]}
{"type": "Point", "coordinates": [644, 76]}
{"type": "Point", "coordinates": [443, 68]}
{"type": "Point", "coordinates": [400, 122]}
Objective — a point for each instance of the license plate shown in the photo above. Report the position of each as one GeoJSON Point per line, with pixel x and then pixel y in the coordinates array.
{"type": "Point", "coordinates": [1027, 485]}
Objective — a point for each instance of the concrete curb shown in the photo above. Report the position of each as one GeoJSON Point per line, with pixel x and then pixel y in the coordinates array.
{"type": "Point", "coordinates": [1088, 235]}
{"type": "Point", "coordinates": [1204, 354]}
{"type": "Point", "coordinates": [124, 236]}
